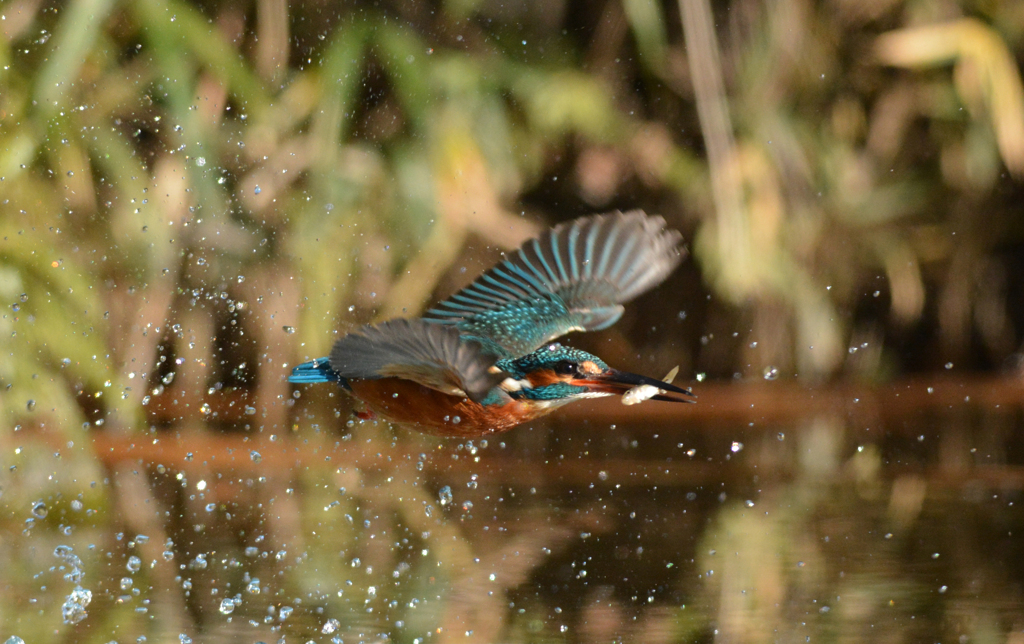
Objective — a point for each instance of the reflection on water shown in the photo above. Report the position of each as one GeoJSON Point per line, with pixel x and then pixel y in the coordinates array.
{"type": "Point", "coordinates": [818, 529]}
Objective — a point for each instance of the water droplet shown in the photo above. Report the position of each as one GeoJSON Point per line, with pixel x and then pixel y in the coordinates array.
{"type": "Point", "coordinates": [736, 446]}
{"type": "Point", "coordinates": [134, 564]}
{"type": "Point", "coordinates": [949, 365]}
{"type": "Point", "coordinates": [253, 588]}
{"type": "Point", "coordinates": [288, 329]}
{"type": "Point", "coordinates": [257, 190]}
{"type": "Point", "coordinates": [39, 510]}
{"type": "Point", "coordinates": [255, 456]}
{"type": "Point", "coordinates": [67, 554]}
{"type": "Point", "coordinates": [73, 609]}
{"type": "Point", "coordinates": [782, 436]}
{"type": "Point", "coordinates": [456, 420]}
{"type": "Point", "coordinates": [30, 405]}
{"type": "Point", "coordinates": [330, 626]}
{"type": "Point", "coordinates": [445, 495]}
{"type": "Point", "coordinates": [227, 606]}
{"type": "Point", "coordinates": [200, 161]}
{"type": "Point", "coordinates": [14, 639]}
{"type": "Point", "coordinates": [771, 373]}
{"type": "Point", "coordinates": [126, 583]}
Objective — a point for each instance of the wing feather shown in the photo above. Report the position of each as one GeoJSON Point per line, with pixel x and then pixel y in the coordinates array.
{"type": "Point", "coordinates": [439, 357]}
{"type": "Point", "coordinates": [575, 276]}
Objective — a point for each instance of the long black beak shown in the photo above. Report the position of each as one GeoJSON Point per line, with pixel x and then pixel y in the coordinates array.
{"type": "Point", "coordinates": [614, 381]}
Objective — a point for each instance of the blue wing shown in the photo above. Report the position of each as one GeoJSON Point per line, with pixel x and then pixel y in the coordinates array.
{"type": "Point", "coordinates": [574, 277]}
{"type": "Point", "coordinates": [315, 371]}
{"type": "Point", "coordinates": [435, 356]}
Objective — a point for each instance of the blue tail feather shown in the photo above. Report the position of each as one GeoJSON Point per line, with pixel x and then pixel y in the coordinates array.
{"type": "Point", "coordinates": [315, 371]}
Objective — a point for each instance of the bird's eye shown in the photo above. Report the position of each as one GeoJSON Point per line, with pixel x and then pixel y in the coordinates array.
{"type": "Point", "coordinates": [565, 368]}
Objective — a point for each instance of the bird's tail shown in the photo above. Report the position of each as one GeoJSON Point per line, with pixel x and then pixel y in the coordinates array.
{"type": "Point", "coordinates": [315, 371]}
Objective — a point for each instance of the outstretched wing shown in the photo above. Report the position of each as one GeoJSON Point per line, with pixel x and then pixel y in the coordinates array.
{"type": "Point", "coordinates": [435, 356]}
{"type": "Point", "coordinates": [574, 277]}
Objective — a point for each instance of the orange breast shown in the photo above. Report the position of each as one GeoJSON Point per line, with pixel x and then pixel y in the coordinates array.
{"type": "Point", "coordinates": [431, 411]}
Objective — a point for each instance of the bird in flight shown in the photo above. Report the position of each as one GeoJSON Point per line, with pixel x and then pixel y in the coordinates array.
{"type": "Point", "coordinates": [484, 360]}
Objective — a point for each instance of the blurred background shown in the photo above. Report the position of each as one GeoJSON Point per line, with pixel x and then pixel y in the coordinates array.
{"type": "Point", "coordinates": [195, 196]}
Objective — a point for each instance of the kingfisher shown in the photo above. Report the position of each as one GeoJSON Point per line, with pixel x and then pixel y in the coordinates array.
{"type": "Point", "coordinates": [485, 360]}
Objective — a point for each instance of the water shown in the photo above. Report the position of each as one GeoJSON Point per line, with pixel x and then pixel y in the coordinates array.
{"type": "Point", "coordinates": [573, 532]}
{"type": "Point", "coordinates": [73, 609]}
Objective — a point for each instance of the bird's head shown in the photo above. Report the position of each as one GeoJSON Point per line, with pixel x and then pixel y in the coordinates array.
{"type": "Point", "coordinates": [560, 374]}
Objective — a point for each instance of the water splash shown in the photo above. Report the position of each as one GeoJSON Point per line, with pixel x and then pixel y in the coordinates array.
{"type": "Point", "coordinates": [74, 607]}
{"type": "Point", "coordinates": [71, 560]}
{"type": "Point", "coordinates": [330, 626]}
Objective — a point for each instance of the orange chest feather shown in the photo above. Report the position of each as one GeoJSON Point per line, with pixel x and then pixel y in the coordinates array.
{"type": "Point", "coordinates": [431, 411]}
